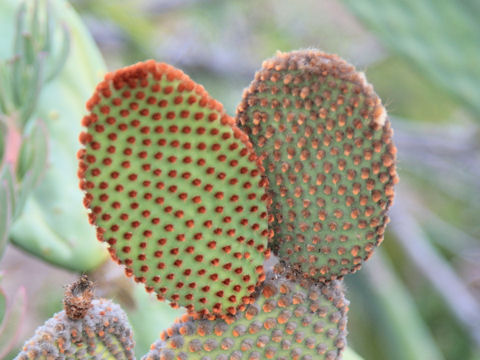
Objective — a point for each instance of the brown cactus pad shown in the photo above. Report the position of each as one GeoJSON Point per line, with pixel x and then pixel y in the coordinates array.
{"type": "Point", "coordinates": [327, 150]}
{"type": "Point", "coordinates": [174, 188]}
{"type": "Point", "coordinates": [289, 320]}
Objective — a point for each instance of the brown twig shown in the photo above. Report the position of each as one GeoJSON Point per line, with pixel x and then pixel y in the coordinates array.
{"type": "Point", "coordinates": [78, 298]}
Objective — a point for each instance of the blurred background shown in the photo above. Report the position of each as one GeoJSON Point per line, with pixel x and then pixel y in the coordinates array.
{"type": "Point", "coordinates": [419, 296]}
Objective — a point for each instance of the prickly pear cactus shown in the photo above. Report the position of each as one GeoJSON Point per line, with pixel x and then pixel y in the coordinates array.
{"type": "Point", "coordinates": [174, 188]}
{"type": "Point", "coordinates": [86, 329]}
{"type": "Point", "coordinates": [327, 149]}
{"type": "Point", "coordinates": [289, 320]}
{"type": "Point", "coordinates": [178, 193]}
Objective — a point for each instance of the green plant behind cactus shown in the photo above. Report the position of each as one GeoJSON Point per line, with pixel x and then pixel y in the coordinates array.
{"type": "Point", "coordinates": [38, 183]}
{"type": "Point", "coordinates": [431, 34]}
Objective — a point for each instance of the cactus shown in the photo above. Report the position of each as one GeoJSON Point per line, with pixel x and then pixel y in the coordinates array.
{"type": "Point", "coordinates": [327, 150]}
{"type": "Point", "coordinates": [85, 329]}
{"type": "Point", "coordinates": [178, 193]}
{"type": "Point", "coordinates": [174, 189]}
{"type": "Point", "coordinates": [289, 320]}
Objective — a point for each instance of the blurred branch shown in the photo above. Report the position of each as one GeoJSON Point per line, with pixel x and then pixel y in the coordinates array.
{"type": "Point", "coordinates": [162, 6]}
{"type": "Point", "coordinates": [37, 60]}
{"type": "Point", "coordinates": [435, 268]}
{"type": "Point", "coordinates": [464, 245]}
{"type": "Point", "coordinates": [456, 140]}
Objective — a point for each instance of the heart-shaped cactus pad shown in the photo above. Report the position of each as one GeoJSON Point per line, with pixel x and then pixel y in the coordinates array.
{"type": "Point", "coordinates": [328, 154]}
{"type": "Point", "coordinates": [175, 189]}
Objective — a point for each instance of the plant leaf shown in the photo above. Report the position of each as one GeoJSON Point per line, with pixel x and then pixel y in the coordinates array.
{"type": "Point", "coordinates": [440, 37]}
{"type": "Point", "coordinates": [34, 148]}
{"type": "Point", "coordinates": [32, 161]}
{"type": "Point", "coordinates": [11, 325]}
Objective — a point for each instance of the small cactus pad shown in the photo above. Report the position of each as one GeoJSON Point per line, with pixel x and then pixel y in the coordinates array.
{"type": "Point", "coordinates": [302, 321]}
{"type": "Point", "coordinates": [175, 189]}
{"type": "Point", "coordinates": [102, 334]}
{"type": "Point", "coordinates": [327, 150]}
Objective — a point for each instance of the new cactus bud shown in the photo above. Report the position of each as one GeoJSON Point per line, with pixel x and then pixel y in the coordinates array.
{"type": "Point", "coordinates": [175, 189]}
{"type": "Point", "coordinates": [289, 320]}
{"type": "Point", "coordinates": [78, 298]}
{"type": "Point", "coordinates": [86, 329]}
{"type": "Point", "coordinates": [327, 150]}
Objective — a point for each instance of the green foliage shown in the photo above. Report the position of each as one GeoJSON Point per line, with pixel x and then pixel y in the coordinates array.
{"type": "Point", "coordinates": [45, 224]}
{"type": "Point", "coordinates": [399, 84]}
{"type": "Point", "coordinates": [32, 161]}
{"type": "Point", "coordinates": [440, 37]}
{"type": "Point", "coordinates": [35, 61]}
{"type": "Point", "coordinates": [384, 285]}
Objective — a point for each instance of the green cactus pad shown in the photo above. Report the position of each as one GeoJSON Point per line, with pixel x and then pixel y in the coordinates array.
{"type": "Point", "coordinates": [103, 334]}
{"type": "Point", "coordinates": [175, 189]}
{"type": "Point", "coordinates": [328, 154]}
{"type": "Point", "coordinates": [302, 321]}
